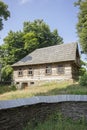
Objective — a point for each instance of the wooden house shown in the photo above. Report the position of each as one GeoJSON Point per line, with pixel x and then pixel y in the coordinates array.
{"type": "Point", "coordinates": [54, 63]}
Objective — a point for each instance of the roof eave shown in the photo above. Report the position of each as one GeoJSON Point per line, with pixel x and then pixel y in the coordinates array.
{"type": "Point", "coordinates": [42, 63]}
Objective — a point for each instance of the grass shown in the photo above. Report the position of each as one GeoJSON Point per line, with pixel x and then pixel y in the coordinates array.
{"type": "Point", "coordinates": [58, 122]}
{"type": "Point", "coordinates": [6, 88]}
{"type": "Point", "coordinates": [53, 88]}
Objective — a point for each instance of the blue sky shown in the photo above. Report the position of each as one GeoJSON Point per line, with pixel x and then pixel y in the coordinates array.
{"type": "Point", "coordinates": [59, 14]}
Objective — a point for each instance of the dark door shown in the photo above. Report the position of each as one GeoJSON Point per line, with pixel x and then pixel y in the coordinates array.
{"type": "Point", "coordinates": [25, 85]}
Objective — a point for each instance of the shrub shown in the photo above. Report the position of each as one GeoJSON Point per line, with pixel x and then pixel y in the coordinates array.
{"type": "Point", "coordinates": [83, 80]}
{"type": "Point", "coordinates": [82, 71]}
{"type": "Point", "coordinates": [6, 73]}
{"type": "Point", "coordinates": [13, 87]}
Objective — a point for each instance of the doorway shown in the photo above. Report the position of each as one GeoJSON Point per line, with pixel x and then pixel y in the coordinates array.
{"type": "Point", "coordinates": [24, 85]}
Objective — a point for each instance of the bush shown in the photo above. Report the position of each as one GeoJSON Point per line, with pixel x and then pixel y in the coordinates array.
{"type": "Point", "coordinates": [4, 88]}
{"type": "Point", "coordinates": [82, 71]}
{"type": "Point", "coordinates": [6, 73]}
{"type": "Point", "coordinates": [13, 87]}
{"type": "Point", "coordinates": [83, 80]}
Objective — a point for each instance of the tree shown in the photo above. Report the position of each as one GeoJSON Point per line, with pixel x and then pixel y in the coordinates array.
{"type": "Point", "coordinates": [4, 13]}
{"type": "Point", "coordinates": [42, 33]}
{"type": "Point", "coordinates": [83, 74]}
{"type": "Point", "coordinates": [82, 24]}
{"type": "Point", "coordinates": [83, 80]}
{"type": "Point", "coordinates": [13, 48]}
{"type": "Point", "coordinates": [6, 73]}
{"type": "Point", "coordinates": [82, 69]}
{"type": "Point", "coordinates": [31, 41]}
{"type": "Point", "coordinates": [35, 35]}
{"type": "Point", "coordinates": [18, 44]}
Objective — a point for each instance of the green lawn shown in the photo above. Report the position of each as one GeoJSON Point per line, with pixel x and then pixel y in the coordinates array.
{"type": "Point", "coordinates": [53, 88]}
{"type": "Point", "coordinates": [58, 122]}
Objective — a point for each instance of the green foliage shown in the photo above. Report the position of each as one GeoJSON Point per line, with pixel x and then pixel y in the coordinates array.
{"type": "Point", "coordinates": [31, 41]}
{"type": "Point", "coordinates": [12, 88]}
{"type": "Point", "coordinates": [82, 69]}
{"type": "Point", "coordinates": [13, 48]}
{"type": "Point", "coordinates": [83, 80]}
{"type": "Point", "coordinates": [82, 24]}
{"type": "Point", "coordinates": [6, 72]}
{"type": "Point", "coordinates": [7, 88]}
{"type": "Point", "coordinates": [42, 33]}
{"type": "Point", "coordinates": [18, 44]}
{"type": "Point", "coordinates": [57, 122]}
{"type": "Point", "coordinates": [4, 13]}
{"type": "Point", "coordinates": [83, 63]}
{"type": "Point", "coordinates": [35, 35]}
{"type": "Point", "coordinates": [77, 3]}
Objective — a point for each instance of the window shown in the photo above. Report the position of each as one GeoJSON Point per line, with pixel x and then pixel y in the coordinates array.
{"type": "Point", "coordinates": [20, 72]}
{"type": "Point", "coordinates": [31, 83]}
{"type": "Point", "coordinates": [48, 70]}
{"type": "Point", "coordinates": [60, 69]}
{"type": "Point", "coordinates": [24, 85]}
{"type": "Point", "coordinates": [17, 82]}
{"type": "Point", "coordinates": [30, 72]}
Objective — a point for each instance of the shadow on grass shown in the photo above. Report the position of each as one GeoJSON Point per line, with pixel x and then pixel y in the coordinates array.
{"type": "Point", "coordinates": [70, 89]}
{"type": "Point", "coordinates": [6, 88]}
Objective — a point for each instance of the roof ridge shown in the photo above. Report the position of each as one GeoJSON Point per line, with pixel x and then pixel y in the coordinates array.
{"type": "Point", "coordinates": [57, 45]}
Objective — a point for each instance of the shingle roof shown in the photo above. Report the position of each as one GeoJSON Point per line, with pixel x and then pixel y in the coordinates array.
{"type": "Point", "coordinates": [52, 54]}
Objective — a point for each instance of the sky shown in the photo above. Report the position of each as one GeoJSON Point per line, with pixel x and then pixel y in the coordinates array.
{"type": "Point", "coordinates": [58, 14]}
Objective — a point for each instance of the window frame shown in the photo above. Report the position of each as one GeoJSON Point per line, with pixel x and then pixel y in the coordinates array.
{"type": "Point", "coordinates": [20, 72]}
{"type": "Point", "coordinates": [60, 69]}
{"type": "Point", "coordinates": [48, 70]}
{"type": "Point", "coordinates": [30, 71]}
